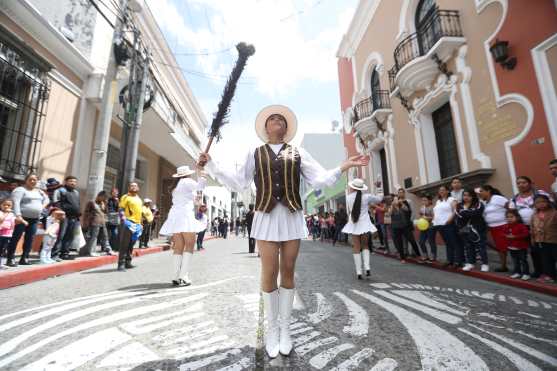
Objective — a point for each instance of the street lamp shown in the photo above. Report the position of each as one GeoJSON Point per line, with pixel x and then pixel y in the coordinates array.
{"type": "Point", "coordinates": [500, 52]}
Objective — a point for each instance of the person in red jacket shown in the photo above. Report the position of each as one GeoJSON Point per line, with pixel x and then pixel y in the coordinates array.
{"type": "Point", "coordinates": [518, 235]}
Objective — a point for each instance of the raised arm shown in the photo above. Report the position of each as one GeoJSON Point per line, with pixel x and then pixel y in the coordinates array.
{"type": "Point", "coordinates": [236, 180]}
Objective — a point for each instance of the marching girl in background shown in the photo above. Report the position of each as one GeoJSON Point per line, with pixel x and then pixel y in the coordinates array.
{"type": "Point", "coordinates": [359, 223]}
{"type": "Point", "coordinates": [181, 223]}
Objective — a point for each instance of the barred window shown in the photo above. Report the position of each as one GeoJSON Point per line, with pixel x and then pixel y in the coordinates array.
{"type": "Point", "coordinates": [447, 149]}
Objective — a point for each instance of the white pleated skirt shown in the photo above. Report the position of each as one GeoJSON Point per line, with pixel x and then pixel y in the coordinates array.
{"type": "Point", "coordinates": [181, 219]}
{"type": "Point", "coordinates": [363, 226]}
{"type": "Point", "coordinates": [279, 225]}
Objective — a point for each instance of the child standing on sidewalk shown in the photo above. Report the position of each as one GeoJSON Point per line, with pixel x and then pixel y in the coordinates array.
{"type": "Point", "coordinates": [517, 235]}
{"type": "Point", "coordinates": [7, 225]}
{"type": "Point", "coordinates": [51, 235]}
{"type": "Point", "coordinates": [544, 235]}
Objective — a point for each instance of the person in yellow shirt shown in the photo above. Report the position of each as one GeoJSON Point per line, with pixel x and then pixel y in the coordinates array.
{"type": "Point", "coordinates": [131, 210]}
{"type": "Point", "coordinates": [147, 223]}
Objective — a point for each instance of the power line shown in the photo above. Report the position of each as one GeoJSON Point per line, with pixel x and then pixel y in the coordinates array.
{"type": "Point", "coordinates": [199, 73]}
{"type": "Point", "coordinates": [115, 13]}
{"type": "Point", "coordinates": [101, 13]}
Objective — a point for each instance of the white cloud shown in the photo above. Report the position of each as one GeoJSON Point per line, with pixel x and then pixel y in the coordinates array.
{"type": "Point", "coordinates": [284, 55]}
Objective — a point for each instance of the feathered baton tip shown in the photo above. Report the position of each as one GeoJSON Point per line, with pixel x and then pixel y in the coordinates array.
{"type": "Point", "coordinates": [221, 117]}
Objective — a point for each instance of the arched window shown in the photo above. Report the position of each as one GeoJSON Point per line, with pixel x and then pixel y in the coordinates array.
{"type": "Point", "coordinates": [423, 13]}
{"type": "Point", "coordinates": [375, 87]}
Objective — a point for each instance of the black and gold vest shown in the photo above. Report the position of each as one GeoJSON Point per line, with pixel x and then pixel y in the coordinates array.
{"type": "Point", "coordinates": [277, 178]}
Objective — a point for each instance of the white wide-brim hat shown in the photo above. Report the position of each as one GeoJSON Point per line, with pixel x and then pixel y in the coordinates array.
{"type": "Point", "coordinates": [357, 184]}
{"type": "Point", "coordinates": [183, 171]}
{"type": "Point", "coordinates": [276, 109]}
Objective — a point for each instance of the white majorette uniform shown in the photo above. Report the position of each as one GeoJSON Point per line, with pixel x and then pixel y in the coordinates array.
{"type": "Point", "coordinates": [181, 217]}
{"type": "Point", "coordinates": [364, 223]}
{"type": "Point", "coordinates": [280, 224]}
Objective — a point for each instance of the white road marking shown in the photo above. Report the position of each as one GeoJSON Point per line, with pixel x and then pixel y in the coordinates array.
{"type": "Point", "coordinates": [380, 285]}
{"type": "Point", "coordinates": [172, 334]}
{"type": "Point", "coordinates": [322, 359]}
{"type": "Point", "coordinates": [502, 298]}
{"type": "Point", "coordinates": [543, 340]}
{"type": "Point", "coordinates": [297, 325]}
{"type": "Point", "coordinates": [486, 295]}
{"type": "Point", "coordinates": [304, 339]}
{"type": "Point", "coordinates": [196, 365]}
{"type": "Point", "coordinates": [438, 349]}
{"type": "Point", "coordinates": [426, 300]}
{"type": "Point", "coordinates": [354, 361]}
{"type": "Point", "coordinates": [80, 351]}
{"type": "Point", "coordinates": [521, 363]}
{"type": "Point", "coordinates": [516, 300]}
{"type": "Point", "coordinates": [359, 319]}
{"type": "Point", "coordinates": [184, 351]}
{"type": "Point", "coordinates": [308, 347]}
{"type": "Point", "coordinates": [396, 285]}
{"type": "Point", "coordinates": [545, 305]}
{"type": "Point", "coordinates": [530, 315]}
{"type": "Point", "coordinates": [417, 286]}
{"type": "Point", "coordinates": [209, 350]}
{"type": "Point", "coordinates": [386, 364]}
{"type": "Point", "coordinates": [532, 303]}
{"type": "Point", "coordinates": [324, 310]}
{"type": "Point", "coordinates": [492, 316]}
{"type": "Point", "coordinates": [238, 366]}
{"type": "Point", "coordinates": [301, 331]}
{"type": "Point", "coordinates": [97, 322]}
{"type": "Point", "coordinates": [132, 354]}
{"type": "Point", "coordinates": [523, 347]}
{"type": "Point", "coordinates": [442, 316]}
{"type": "Point", "coordinates": [135, 328]}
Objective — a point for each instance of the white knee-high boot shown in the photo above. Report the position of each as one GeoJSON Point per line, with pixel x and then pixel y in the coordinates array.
{"type": "Point", "coordinates": [176, 265]}
{"type": "Point", "coordinates": [358, 263]}
{"type": "Point", "coordinates": [286, 301]}
{"type": "Point", "coordinates": [271, 301]}
{"type": "Point", "coordinates": [185, 268]}
{"type": "Point", "coordinates": [366, 257]}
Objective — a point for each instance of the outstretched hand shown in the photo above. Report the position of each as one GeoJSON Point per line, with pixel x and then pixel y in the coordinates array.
{"type": "Point", "coordinates": [354, 161]}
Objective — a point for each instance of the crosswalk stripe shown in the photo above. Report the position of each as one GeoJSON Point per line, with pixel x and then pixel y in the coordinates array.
{"type": "Point", "coordinates": [138, 330]}
{"type": "Point", "coordinates": [322, 359]}
{"type": "Point", "coordinates": [386, 364]}
{"type": "Point", "coordinates": [238, 366]}
{"type": "Point", "coordinates": [130, 355]}
{"type": "Point", "coordinates": [80, 351]}
{"type": "Point", "coordinates": [308, 347]}
{"type": "Point", "coordinates": [442, 316]}
{"type": "Point", "coordinates": [354, 361]}
{"type": "Point", "coordinates": [297, 325]}
{"type": "Point", "coordinates": [196, 365]}
{"type": "Point", "coordinates": [304, 339]}
{"type": "Point", "coordinates": [189, 337]}
{"type": "Point", "coordinates": [437, 348]}
{"type": "Point", "coordinates": [196, 345]}
{"type": "Point", "coordinates": [521, 363]}
{"type": "Point", "coordinates": [359, 319]}
{"type": "Point", "coordinates": [423, 299]}
{"type": "Point", "coordinates": [301, 330]}
{"type": "Point", "coordinates": [175, 333]}
{"type": "Point", "coordinates": [324, 310]}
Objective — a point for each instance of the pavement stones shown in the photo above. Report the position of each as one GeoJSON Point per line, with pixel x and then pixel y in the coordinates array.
{"type": "Point", "coordinates": [405, 317]}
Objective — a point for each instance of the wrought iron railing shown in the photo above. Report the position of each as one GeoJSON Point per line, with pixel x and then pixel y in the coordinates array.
{"type": "Point", "coordinates": [24, 91]}
{"type": "Point", "coordinates": [442, 23]}
{"type": "Point", "coordinates": [365, 108]}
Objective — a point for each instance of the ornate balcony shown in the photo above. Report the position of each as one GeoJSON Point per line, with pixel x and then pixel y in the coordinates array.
{"type": "Point", "coordinates": [422, 55]}
{"type": "Point", "coordinates": [371, 111]}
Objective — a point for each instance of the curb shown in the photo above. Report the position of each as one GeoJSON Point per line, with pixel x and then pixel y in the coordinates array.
{"type": "Point", "coordinates": [487, 276]}
{"type": "Point", "coordinates": [41, 272]}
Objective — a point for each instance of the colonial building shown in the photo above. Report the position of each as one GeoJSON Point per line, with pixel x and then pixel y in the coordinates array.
{"type": "Point", "coordinates": [53, 56]}
{"type": "Point", "coordinates": [436, 89]}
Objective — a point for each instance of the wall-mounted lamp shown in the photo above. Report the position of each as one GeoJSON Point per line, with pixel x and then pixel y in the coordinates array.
{"type": "Point", "coordinates": [500, 52]}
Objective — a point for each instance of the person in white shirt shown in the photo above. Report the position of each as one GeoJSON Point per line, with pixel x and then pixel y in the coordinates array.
{"type": "Point", "coordinates": [443, 221]}
{"type": "Point", "coordinates": [278, 224]}
{"type": "Point", "coordinates": [495, 218]}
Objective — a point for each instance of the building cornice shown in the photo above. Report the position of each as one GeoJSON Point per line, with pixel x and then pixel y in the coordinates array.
{"type": "Point", "coordinates": [32, 21]}
{"type": "Point", "coordinates": [360, 22]}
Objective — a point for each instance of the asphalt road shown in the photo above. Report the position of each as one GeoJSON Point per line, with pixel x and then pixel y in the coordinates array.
{"type": "Point", "coordinates": [404, 317]}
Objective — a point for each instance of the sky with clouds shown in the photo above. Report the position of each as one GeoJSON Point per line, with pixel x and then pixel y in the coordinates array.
{"type": "Point", "coordinates": [294, 64]}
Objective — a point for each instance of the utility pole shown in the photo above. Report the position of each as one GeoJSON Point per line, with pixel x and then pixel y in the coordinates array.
{"type": "Point", "coordinates": [133, 139]}
{"type": "Point", "coordinates": [95, 182]}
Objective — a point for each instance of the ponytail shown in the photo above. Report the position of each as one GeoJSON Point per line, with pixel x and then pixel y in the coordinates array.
{"type": "Point", "coordinates": [357, 207]}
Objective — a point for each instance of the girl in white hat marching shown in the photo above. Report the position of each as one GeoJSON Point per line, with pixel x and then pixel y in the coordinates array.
{"type": "Point", "coordinates": [181, 223]}
{"type": "Point", "coordinates": [278, 224]}
{"type": "Point", "coordinates": [359, 223]}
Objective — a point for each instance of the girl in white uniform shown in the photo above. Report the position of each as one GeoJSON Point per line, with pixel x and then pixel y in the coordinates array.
{"type": "Point", "coordinates": [278, 223]}
{"type": "Point", "coordinates": [181, 223]}
{"type": "Point", "coordinates": [359, 223]}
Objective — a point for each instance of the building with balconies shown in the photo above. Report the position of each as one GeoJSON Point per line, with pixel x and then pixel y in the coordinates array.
{"type": "Point", "coordinates": [436, 89]}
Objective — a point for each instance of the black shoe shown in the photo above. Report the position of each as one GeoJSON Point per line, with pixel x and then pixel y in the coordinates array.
{"type": "Point", "coordinates": [368, 273]}
{"type": "Point", "coordinates": [130, 266]}
{"type": "Point", "coordinates": [67, 257]}
{"type": "Point", "coordinates": [11, 263]}
{"type": "Point", "coordinates": [183, 283]}
{"type": "Point", "coordinates": [360, 277]}
{"type": "Point", "coordinates": [121, 268]}
{"type": "Point", "coordinates": [175, 283]}
{"type": "Point", "coordinates": [24, 262]}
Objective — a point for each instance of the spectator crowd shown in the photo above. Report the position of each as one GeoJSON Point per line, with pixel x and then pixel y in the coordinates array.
{"type": "Point", "coordinates": [469, 222]}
